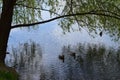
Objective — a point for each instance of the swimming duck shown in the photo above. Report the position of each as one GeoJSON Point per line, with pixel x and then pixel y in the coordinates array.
{"type": "Point", "coordinates": [61, 57]}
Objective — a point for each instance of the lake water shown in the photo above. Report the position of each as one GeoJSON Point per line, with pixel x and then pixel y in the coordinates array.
{"type": "Point", "coordinates": [45, 63]}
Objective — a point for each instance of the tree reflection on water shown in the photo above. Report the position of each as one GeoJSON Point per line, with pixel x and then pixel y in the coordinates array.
{"type": "Point", "coordinates": [81, 62]}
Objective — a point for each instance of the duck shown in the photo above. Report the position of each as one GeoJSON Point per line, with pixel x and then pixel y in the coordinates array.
{"type": "Point", "coordinates": [73, 54]}
{"type": "Point", "coordinates": [61, 57]}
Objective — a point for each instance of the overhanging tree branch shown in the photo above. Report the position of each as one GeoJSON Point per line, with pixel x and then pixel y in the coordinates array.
{"type": "Point", "coordinates": [69, 15]}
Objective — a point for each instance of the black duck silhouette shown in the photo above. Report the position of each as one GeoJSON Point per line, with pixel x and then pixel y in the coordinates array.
{"type": "Point", "coordinates": [61, 57]}
{"type": "Point", "coordinates": [73, 54]}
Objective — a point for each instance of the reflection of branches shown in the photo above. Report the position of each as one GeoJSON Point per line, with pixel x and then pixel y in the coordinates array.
{"type": "Point", "coordinates": [28, 53]}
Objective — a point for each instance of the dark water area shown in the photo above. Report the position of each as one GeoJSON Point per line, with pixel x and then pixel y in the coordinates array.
{"type": "Point", "coordinates": [79, 62]}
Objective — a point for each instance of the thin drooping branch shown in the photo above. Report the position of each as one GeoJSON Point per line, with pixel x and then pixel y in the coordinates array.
{"type": "Point", "coordinates": [107, 11]}
{"type": "Point", "coordinates": [71, 10]}
{"type": "Point", "coordinates": [26, 6]}
{"type": "Point", "coordinates": [50, 11]}
{"type": "Point", "coordinates": [37, 8]}
{"type": "Point", "coordinates": [69, 15]}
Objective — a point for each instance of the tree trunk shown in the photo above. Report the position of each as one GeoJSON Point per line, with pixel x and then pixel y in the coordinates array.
{"type": "Point", "coordinates": [5, 26]}
{"type": "Point", "coordinates": [4, 34]}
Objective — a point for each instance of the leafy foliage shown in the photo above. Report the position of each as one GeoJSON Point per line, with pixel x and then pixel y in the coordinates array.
{"type": "Point", "coordinates": [93, 14]}
{"type": "Point", "coordinates": [101, 14]}
{"type": "Point", "coordinates": [29, 11]}
{"type": "Point", "coordinates": [4, 75]}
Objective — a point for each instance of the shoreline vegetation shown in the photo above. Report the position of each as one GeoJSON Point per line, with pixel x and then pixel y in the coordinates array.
{"type": "Point", "coordinates": [8, 73]}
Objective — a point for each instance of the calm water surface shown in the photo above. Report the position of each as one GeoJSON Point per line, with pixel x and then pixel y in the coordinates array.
{"type": "Point", "coordinates": [40, 60]}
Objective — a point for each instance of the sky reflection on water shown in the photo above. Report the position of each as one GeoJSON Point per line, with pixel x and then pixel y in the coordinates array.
{"type": "Point", "coordinates": [51, 40]}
